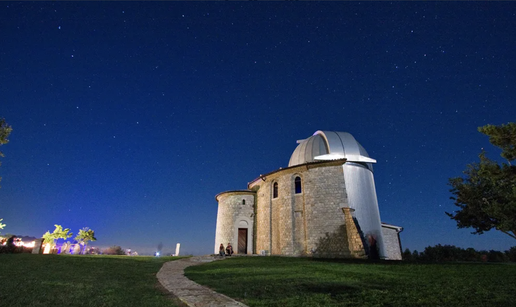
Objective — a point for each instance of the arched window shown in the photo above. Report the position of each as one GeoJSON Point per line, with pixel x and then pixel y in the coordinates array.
{"type": "Point", "coordinates": [275, 190]}
{"type": "Point", "coordinates": [297, 183]}
{"type": "Point", "coordinates": [243, 201]}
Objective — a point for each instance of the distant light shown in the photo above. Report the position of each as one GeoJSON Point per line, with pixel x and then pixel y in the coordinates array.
{"type": "Point", "coordinates": [24, 244]}
{"type": "Point", "coordinates": [157, 254]}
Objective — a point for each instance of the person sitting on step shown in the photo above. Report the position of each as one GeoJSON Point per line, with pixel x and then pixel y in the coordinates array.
{"type": "Point", "coordinates": [229, 250]}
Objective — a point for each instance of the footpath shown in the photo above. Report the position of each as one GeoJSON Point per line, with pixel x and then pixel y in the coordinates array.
{"type": "Point", "coordinates": [171, 276]}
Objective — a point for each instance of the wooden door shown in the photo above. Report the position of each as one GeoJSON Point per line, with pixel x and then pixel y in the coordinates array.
{"type": "Point", "coordinates": [242, 240]}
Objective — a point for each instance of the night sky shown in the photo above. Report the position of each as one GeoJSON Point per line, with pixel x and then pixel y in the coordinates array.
{"type": "Point", "coordinates": [130, 117]}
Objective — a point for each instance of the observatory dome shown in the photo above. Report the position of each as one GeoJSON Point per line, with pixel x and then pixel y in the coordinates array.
{"type": "Point", "coordinates": [329, 145]}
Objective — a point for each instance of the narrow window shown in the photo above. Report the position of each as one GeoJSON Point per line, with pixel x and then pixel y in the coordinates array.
{"type": "Point", "coordinates": [243, 201]}
{"type": "Point", "coordinates": [275, 190]}
{"type": "Point", "coordinates": [297, 183]}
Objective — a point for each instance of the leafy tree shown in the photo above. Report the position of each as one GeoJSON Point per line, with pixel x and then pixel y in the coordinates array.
{"type": "Point", "coordinates": [59, 233]}
{"type": "Point", "coordinates": [451, 253]}
{"type": "Point", "coordinates": [1, 225]}
{"type": "Point", "coordinates": [407, 255]}
{"type": "Point", "coordinates": [48, 238]}
{"type": "Point", "coordinates": [84, 236]}
{"type": "Point", "coordinates": [504, 137]}
{"type": "Point", "coordinates": [415, 255]}
{"type": "Point", "coordinates": [497, 256]}
{"type": "Point", "coordinates": [486, 195]}
{"type": "Point", "coordinates": [5, 130]}
{"type": "Point", "coordinates": [511, 254]}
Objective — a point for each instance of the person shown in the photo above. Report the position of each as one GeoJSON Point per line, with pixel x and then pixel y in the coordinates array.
{"type": "Point", "coordinates": [229, 250]}
{"type": "Point", "coordinates": [221, 250]}
{"type": "Point", "coordinates": [11, 247]}
{"type": "Point", "coordinates": [373, 248]}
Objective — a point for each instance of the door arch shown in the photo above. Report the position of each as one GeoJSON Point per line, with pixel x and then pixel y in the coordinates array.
{"type": "Point", "coordinates": [243, 237]}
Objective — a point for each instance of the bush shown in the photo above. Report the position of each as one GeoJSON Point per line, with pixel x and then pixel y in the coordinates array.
{"type": "Point", "coordinates": [511, 254]}
{"type": "Point", "coordinates": [5, 249]}
{"type": "Point", "coordinates": [114, 250]}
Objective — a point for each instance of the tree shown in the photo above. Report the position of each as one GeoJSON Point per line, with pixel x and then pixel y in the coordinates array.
{"type": "Point", "coordinates": [59, 233]}
{"type": "Point", "coordinates": [5, 130]}
{"type": "Point", "coordinates": [1, 225]}
{"type": "Point", "coordinates": [486, 195]}
{"type": "Point", "coordinates": [504, 137]}
{"type": "Point", "coordinates": [84, 236]}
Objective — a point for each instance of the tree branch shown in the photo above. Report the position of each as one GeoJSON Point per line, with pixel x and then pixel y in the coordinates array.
{"type": "Point", "coordinates": [509, 234]}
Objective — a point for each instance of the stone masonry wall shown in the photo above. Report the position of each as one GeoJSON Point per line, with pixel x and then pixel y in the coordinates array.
{"type": "Point", "coordinates": [392, 243]}
{"type": "Point", "coordinates": [232, 213]}
{"type": "Point", "coordinates": [309, 223]}
{"type": "Point", "coordinates": [356, 245]}
{"type": "Point", "coordinates": [325, 195]}
{"type": "Point", "coordinates": [263, 217]}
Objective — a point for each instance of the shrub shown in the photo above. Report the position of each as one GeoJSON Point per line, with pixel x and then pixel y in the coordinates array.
{"type": "Point", "coordinates": [114, 250]}
{"type": "Point", "coordinates": [511, 254]}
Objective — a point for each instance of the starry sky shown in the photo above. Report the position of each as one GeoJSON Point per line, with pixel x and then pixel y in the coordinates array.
{"type": "Point", "coordinates": [129, 117]}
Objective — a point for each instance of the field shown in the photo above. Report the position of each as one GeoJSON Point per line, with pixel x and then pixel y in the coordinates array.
{"type": "Point", "coordinates": [55, 280]}
{"type": "Point", "coordinates": [52, 280]}
{"type": "Point", "coordinates": [282, 281]}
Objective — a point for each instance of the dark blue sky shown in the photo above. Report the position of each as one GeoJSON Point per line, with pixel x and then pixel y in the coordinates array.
{"type": "Point", "coordinates": [130, 117]}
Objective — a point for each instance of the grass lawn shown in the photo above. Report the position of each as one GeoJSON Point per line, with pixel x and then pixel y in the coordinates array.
{"type": "Point", "coordinates": [55, 280]}
{"type": "Point", "coordinates": [282, 281]}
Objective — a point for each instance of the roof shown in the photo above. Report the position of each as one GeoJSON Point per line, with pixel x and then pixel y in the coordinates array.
{"type": "Point", "coordinates": [329, 145]}
{"type": "Point", "coordinates": [245, 192]}
{"type": "Point", "coordinates": [397, 228]}
{"type": "Point", "coordinates": [307, 165]}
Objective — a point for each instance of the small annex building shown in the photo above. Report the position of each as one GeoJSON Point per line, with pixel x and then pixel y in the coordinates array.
{"type": "Point", "coordinates": [323, 204]}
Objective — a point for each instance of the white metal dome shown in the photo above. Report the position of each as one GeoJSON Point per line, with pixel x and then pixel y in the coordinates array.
{"type": "Point", "coordinates": [329, 145]}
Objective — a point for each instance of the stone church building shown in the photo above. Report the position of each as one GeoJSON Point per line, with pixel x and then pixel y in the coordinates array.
{"type": "Point", "coordinates": [323, 204]}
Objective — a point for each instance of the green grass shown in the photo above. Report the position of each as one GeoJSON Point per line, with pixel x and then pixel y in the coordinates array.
{"type": "Point", "coordinates": [55, 280]}
{"type": "Point", "coordinates": [282, 281]}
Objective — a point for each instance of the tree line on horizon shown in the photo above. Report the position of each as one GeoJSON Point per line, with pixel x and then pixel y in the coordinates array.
{"type": "Point", "coordinates": [451, 253]}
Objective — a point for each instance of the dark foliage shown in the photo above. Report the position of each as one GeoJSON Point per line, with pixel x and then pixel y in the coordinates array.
{"type": "Point", "coordinates": [114, 250]}
{"type": "Point", "coordinates": [5, 130]}
{"type": "Point", "coordinates": [451, 253]}
{"type": "Point", "coordinates": [511, 254]}
{"type": "Point", "coordinates": [485, 195]}
{"type": "Point", "coordinates": [4, 249]}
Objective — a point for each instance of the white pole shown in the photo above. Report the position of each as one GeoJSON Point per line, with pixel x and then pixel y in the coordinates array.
{"type": "Point", "coordinates": [178, 245]}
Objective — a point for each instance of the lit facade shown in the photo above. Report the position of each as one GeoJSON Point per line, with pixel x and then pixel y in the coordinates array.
{"type": "Point", "coordinates": [323, 204]}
